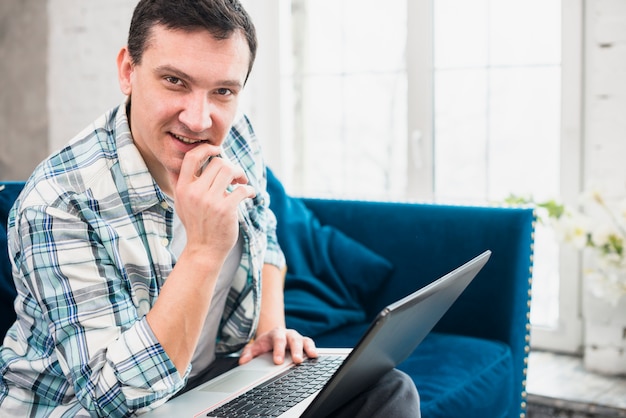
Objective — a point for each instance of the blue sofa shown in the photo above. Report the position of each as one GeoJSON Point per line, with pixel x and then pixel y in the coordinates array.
{"type": "Point", "coordinates": [348, 259]}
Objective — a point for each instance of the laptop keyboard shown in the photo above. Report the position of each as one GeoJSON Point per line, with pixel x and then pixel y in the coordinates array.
{"type": "Point", "coordinates": [279, 394]}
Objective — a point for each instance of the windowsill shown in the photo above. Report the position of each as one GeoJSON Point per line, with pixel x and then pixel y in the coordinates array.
{"type": "Point", "coordinates": [558, 384]}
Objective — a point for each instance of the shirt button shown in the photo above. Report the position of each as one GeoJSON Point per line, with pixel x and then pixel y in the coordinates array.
{"type": "Point", "coordinates": [165, 241]}
{"type": "Point", "coordinates": [164, 204]}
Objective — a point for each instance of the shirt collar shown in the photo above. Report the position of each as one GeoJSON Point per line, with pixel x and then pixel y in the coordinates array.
{"type": "Point", "coordinates": [143, 192]}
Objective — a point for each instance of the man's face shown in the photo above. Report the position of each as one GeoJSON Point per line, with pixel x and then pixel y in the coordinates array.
{"type": "Point", "coordinates": [184, 92]}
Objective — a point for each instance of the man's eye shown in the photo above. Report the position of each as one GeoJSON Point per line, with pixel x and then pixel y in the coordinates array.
{"type": "Point", "coordinates": [174, 80]}
{"type": "Point", "coordinates": [224, 92]}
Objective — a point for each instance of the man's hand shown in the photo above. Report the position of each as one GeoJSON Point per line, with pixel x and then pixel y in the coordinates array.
{"type": "Point", "coordinates": [207, 210]}
{"type": "Point", "coordinates": [207, 203]}
{"type": "Point", "coordinates": [279, 340]}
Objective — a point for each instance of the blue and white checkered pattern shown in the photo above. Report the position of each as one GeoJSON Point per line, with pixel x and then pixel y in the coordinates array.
{"type": "Point", "coordinates": [89, 242]}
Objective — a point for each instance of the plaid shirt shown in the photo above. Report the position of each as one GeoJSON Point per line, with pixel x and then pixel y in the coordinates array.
{"type": "Point", "coordinates": [89, 243]}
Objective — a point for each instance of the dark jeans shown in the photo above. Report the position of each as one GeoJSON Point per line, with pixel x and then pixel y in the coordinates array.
{"type": "Point", "coordinates": [393, 396]}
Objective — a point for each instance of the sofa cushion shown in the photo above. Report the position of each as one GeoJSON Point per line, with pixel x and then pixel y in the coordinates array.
{"type": "Point", "coordinates": [456, 376]}
{"type": "Point", "coordinates": [329, 274]}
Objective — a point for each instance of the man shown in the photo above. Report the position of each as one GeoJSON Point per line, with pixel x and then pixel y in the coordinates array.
{"type": "Point", "coordinates": [145, 248]}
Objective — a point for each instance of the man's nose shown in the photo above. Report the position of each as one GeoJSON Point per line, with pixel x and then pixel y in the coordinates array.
{"type": "Point", "coordinates": [197, 113]}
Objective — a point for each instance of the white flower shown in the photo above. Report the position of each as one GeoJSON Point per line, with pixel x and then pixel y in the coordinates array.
{"type": "Point", "coordinates": [599, 229]}
{"type": "Point", "coordinates": [606, 286]}
{"type": "Point", "coordinates": [601, 234]}
{"type": "Point", "coordinates": [621, 211]}
{"type": "Point", "coordinates": [573, 228]}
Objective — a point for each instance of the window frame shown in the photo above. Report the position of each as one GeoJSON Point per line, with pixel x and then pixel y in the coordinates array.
{"type": "Point", "coordinates": [568, 334]}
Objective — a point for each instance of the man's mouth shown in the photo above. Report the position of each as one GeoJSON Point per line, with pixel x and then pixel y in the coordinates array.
{"type": "Point", "coordinates": [189, 140]}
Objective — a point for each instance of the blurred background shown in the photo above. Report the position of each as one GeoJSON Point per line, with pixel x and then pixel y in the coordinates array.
{"type": "Point", "coordinates": [459, 101]}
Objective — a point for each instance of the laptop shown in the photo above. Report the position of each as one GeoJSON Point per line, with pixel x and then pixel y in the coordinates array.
{"type": "Point", "coordinates": [391, 337]}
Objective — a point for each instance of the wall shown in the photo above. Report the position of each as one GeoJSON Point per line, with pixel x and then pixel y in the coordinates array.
{"type": "Point", "coordinates": [84, 39]}
{"type": "Point", "coordinates": [604, 153]}
{"type": "Point", "coordinates": [23, 69]}
{"type": "Point", "coordinates": [57, 60]}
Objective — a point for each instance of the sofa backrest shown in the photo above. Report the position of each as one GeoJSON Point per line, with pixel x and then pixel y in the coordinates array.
{"type": "Point", "coordinates": [8, 194]}
{"type": "Point", "coordinates": [426, 241]}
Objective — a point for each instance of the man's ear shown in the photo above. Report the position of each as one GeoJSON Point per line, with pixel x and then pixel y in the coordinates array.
{"type": "Point", "coordinates": [125, 69]}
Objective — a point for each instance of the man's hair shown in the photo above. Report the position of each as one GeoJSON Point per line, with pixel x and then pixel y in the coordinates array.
{"type": "Point", "coordinates": [220, 17]}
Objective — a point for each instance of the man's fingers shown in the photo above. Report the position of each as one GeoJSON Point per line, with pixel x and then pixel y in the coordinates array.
{"type": "Point", "coordinates": [279, 341]}
{"type": "Point", "coordinates": [241, 192]}
{"type": "Point", "coordinates": [246, 354]}
{"type": "Point", "coordinates": [195, 160]}
{"type": "Point", "coordinates": [309, 347]}
{"type": "Point", "coordinates": [279, 345]}
{"type": "Point", "coordinates": [294, 340]}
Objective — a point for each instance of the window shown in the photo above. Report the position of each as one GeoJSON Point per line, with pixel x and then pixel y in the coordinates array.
{"type": "Point", "coordinates": [497, 89]}
{"type": "Point", "coordinates": [450, 100]}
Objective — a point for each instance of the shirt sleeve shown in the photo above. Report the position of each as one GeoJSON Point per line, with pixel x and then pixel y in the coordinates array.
{"type": "Point", "coordinates": [274, 255]}
{"type": "Point", "coordinates": [247, 150]}
{"type": "Point", "coordinates": [84, 316]}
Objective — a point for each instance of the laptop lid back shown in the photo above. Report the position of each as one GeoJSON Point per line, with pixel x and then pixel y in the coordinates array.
{"type": "Point", "coordinates": [393, 336]}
